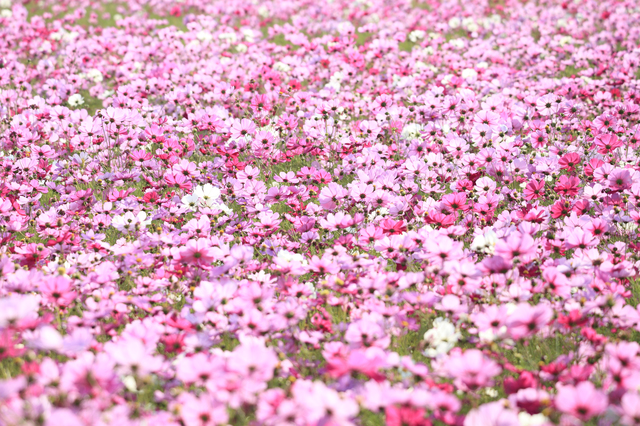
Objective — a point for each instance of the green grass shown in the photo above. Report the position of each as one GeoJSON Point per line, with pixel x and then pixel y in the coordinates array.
{"type": "Point", "coordinates": [281, 41]}
{"type": "Point", "coordinates": [91, 103]}
{"type": "Point", "coordinates": [455, 34]}
{"type": "Point", "coordinates": [569, 71]}
{"type": "Point", "coordinates": [363, 38]}
{"type": "Point", "coordinates": [101, 9]}
{"type": "Point", "coordinates": [535, 33]}
{"type": "Point", "coordinates": [406, 46]}
{"type": "Point", "coordinates": [369, 418]}
{"type": "Point", "coordinates": [419, 4]}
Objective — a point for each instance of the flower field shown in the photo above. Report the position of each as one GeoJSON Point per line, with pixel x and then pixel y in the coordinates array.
{"type": "Point", "coordinates": [347, 212]}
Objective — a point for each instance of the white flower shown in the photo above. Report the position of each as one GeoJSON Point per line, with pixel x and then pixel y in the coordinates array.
{"type": "Point", "coordinates": [416, 35]}
{"type": "Point", "coordinates": [441, 338]}
{"type": "Point", "coordinates": [249, 35]}
{"type": "Point", "coordinates": [311, 287]}
{"type": "Point", "coordinates": [527, 419]}
{"type": "Point", "coordinates": [128, 222]}
{"type": "Point", "coordinates": [470, 24]}
{"type": "Point", "coordinates": [488, 336]}
{"type": "Point", "coordinates": [130, 383]}
{"type": "Point", "coordinates": [485, 243]}
{"type": "Point", "coordinates": [263, 11]}
{"type": "Point", "coordinates": [103, 207]}
{"type": "Point", "coordinates": [411, 131]}
{"type": "Point", "coordinates": [260, 276]}
{"type": "Point", "coordinates": [95, 75]}
{"type": "Point", "coordinates": [70, 36]}
{"type": "Point", "coordinates": [484, 185]}
{"type": "Point", "coordinates": [228, 36]}
{"type": "Point", "coordinates": [336, 80]}
{"type": "Point", "coordinates": [469, 74]}
{"type": "Point", "coordinates": [208, 197]}
{"type": "Point", "coordinates": [57, 35]}
{"type": "Point", "coordinates": [76, 100]}
{"type": "Point", "coordinates": [491, 392]}
{"type": "Point", "coordinates": [204, 35]}
{"type": "Point", "coordinates": [281, 66]}
{"type": "Point", "coordinates": [289, 257]}
{"type": "Point", "coordinates": [457, 43]}
{"type": "Point", "coordinates": [566, 40]}
{"type": "Point", "coordinates": [221, 206]}
{"type": "Point", "coordinates": [627, 227]}
{"type": "Point", "coordinates": [142, 219]}
{"type": "Point", "coordinates": [191, 201]}
{"type": "Point", "coordinates": [207, 193]}
{"type": "Point", "coordinates": [380, 212]}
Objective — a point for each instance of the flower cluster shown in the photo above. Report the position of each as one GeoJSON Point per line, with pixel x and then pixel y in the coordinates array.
{"type": "Point", "coordinates": [291, 213]}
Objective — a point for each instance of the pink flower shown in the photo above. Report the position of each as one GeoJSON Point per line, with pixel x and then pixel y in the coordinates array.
{"type": "Point", "coordinates": [133, 356]}
{"type": "Point", "coordinates": [547, 104]}
{"type": "Point", "coordinates": [63, 416]}
{"type": "Point", "coordinates": [202, 410]}
{"type": "Point", "coordinates": [492, 414]}
{"type": "Point", "coordinates": [370, 235]}
{"type": "Point", "coordinates": [242, 128]}
{"type": "Point", "coordinates": [331, 195]}
{"type": "Point", "coordinates": [517, 246]}
{"type": "Point", "coordinates": [630, 405]}
{"type": "Point", "coordinates": [607, 143]}
{"type": "Point", "coordinates": [471, 369]}
{"type": "Point", "coordinates": [366, 333]}
{"type": "Point", "coordinates": [526, 320]}
{"type": "Point", "coordinates": [32, 253]}
{"type": "Point", "coordinates": [582, 401]}
{"type": "Point", "coordinates": [58, 290]}
{"type": "Point", "coordinates": [178, 180]}
{"type": "Point", "coordinates": [339, 220]}
{"type": "Point", "coordinates": [620, 179]}
{"type": "Point", "coordinates": [252, 360]}
{"type": "Point", "coordinates": [323, 265]}
{"type": "Point", "coordinates": [318, 404]}
{"type": "Point", "coordinates": [198, 253]}
{"type": "Point", "coordinates": [581, 239]}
